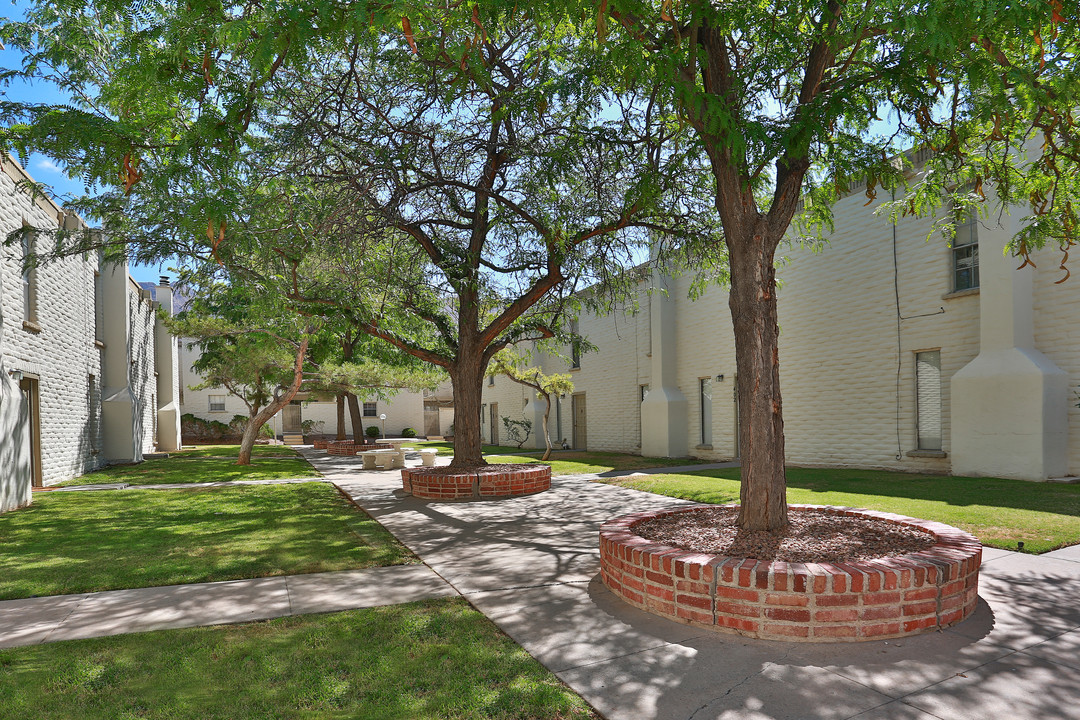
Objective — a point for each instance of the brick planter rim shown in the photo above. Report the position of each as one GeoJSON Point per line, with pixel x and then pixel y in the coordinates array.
{"type": "Point", "coordinates": [428, 483]}
{"type": "Point", "coordinates": [817, 602]}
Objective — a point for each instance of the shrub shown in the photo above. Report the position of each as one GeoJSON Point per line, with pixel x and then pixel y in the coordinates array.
{"type": "Point", "coordinates": [408, 433]}
{"type": "Point", "coordinates": [372, 431]}
{"type": "Point", "coordinates": [517, 431]}
{"type": "Point", "coordinates": [311, 426]}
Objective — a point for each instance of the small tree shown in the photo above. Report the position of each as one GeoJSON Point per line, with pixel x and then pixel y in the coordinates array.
{"type": "Point", "coordinates": [517, 431]}
{"type": "Point", "coordinates": [516, 367]}
{"type": "Point", "coordinates": [250, 347]}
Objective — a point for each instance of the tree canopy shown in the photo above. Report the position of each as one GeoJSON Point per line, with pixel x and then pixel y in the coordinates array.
{"type": "Point", "coordinates": [467, 165]}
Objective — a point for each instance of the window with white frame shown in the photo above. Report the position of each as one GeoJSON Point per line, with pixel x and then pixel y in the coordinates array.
{"type": "Point", "coordinates": [217, 403]}
{"type": "Point", "coordinates": [965, 253]}
{"type": "Point", "coordinates": [928, 399]}
{"type": "Point", "coordinates": [371, 409]}
{"type": "Point", "coordinates": [29, 279]}
{"type": "Point", "coordinates": [575, 346]}
{"type": "Point", "coordinates": [705, 395]}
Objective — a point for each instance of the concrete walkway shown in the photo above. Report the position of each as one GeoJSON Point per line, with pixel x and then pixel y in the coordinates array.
{"type": "Point", "coordinates": [72, 617]}
{"type": "Point", "coordinates": [531, 564]}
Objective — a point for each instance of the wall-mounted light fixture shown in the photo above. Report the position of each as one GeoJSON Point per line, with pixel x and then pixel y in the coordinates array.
{"type": "Point", "coordinates": [720, 377]}
{"type": "Point", "coordinates": [16, 375]}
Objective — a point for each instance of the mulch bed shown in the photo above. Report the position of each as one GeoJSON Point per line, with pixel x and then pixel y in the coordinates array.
{"type": "Point", "coordinates": [811, 536]}
{"type": "Point", "coordinates": [447, 470]}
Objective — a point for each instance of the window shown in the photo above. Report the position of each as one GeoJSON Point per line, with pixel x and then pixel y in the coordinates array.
{"type": "Point", "coordinates": [29, 279]}
{"type": "Point", "coordinates": [644, 389]}
{"type": "Point", "coordinates": [483, 414]}
{"type": "Point", "coordinates": [491, 381]}
{"type": "Point", "coordinates": [965, 253]}
{"type": "Point", "coordinates": [217, 403]}
{"type": "Point", "coordinates": [371, 409]}
{"type": "Point", "coordinates": [558, 420]}
{"type": "Point", "coordinates": [99, 325]}
{"type": "Point", "coordinates": [92, 412]}
{"type": "Point", "coordinates": [575, 346]}
{"type": "Point", "coordinates": [928, 399]}
{"type": "Point", "coordinates": [705, 394]}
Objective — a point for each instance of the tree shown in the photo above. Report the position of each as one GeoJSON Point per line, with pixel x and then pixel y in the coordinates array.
{"type": "Point", "coordinates": [482, 161]}
{"type": "Point", "coordinates": [482, 175]}
{"type": "Point", "coordinates": [782, 99]}
{"type": "Point", "coordinates": [353, 367]}
{"type": "Point", "coordinates": [249, 347]}
{"type": "Point", "coordinates": [516, 366]}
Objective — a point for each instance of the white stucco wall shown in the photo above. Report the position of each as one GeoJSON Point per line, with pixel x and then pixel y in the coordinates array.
{"type": "Point", "coordinates": [847, 366]}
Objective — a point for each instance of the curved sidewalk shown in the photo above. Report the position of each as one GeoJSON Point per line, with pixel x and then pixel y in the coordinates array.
{"type": "Point", "coordinates": [531, 564]}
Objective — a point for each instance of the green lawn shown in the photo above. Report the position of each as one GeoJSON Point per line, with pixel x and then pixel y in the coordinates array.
{"type": "Point", "coordinates": [208, 463]}
{"type": "Point", "coordinates": [447, 448]}
{"type": "Point", "coordinates": [435, 659]}
{"type": "Point", "coordinates": [71, 542]}
{"type": "Point", "coordinates": [232, 451]}
{"type": "Point", "coordinates": [576, 463]}
{"type": "Point", "coordinates": [998, 512]}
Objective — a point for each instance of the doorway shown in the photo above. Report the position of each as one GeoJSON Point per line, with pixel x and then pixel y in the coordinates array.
{"type": "Point", "coordinates": [577, 410]}
{"type": "Point", "coordinates": [29, 387]}
{"type": "Point", "coordinates": [291, 418]}
{"type": "Point", "coordinates": [494, 423]}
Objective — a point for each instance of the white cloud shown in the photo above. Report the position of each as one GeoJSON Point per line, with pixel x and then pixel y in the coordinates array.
{"type": "Point", "coordinates": [46, 164]}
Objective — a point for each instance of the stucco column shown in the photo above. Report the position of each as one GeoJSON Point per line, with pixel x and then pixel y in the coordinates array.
{"type": "Point", "coordinates": [118, 411]}
{"type": "Point", "coordinates": [167, 367]}
{"type": "Point", "coordinates": [1009, 404]}
{"type": "Point", "coordinates": [664, 411]}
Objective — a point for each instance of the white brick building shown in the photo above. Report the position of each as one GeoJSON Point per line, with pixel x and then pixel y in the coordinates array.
{"type": "Point", "coordinates": [997, 351]}
{"type": "Point", "coordinates": [85, 365]}
{"type": "Point", "coordinates": [406, 409]}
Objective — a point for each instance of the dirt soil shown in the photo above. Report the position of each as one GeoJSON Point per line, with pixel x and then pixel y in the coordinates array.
{"type": "Point", "coordinates": [447, 470]}
{"type": "Point", "coordinates": [811, 536]}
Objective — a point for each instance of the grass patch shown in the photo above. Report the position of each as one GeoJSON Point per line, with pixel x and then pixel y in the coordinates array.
{"type": "Point", "coordinates": [233, 451]}
{"type": "Point", "coordinates": [209, 463]}
{"type": "Point", "coordinates": [999, 512]}
{"type": "Point", "coordinates": [433, 659]}
{"type": "Point", "coordinates": [577, 463]}
{"type": "Point", "coordinates": [87, 541]}
{"type": "Point", "coordinates": [447, 448]}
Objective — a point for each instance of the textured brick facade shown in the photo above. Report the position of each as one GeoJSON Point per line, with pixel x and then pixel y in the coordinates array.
{"type": "Point", "coordinates": [55, 341]}
{"type": "Point", "coordinates": [843, 602]}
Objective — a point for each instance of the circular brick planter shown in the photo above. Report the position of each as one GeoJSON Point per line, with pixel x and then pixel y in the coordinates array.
{"type": "Point", "coordinates": [438, 484]}
{"type": "Point", "coordinates": [816, 602]}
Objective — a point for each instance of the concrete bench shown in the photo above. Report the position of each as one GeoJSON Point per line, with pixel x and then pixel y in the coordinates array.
{"type": "Point", "coordinates": [428, 457]}
{"type": "Point", "coordinates": [381, 459]}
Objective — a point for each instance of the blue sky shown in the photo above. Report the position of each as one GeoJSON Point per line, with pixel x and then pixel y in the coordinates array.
{"type": "Point", "coordinates": [42, 168]}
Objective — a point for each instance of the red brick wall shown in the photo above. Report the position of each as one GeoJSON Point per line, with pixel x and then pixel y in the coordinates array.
{"type": "Point", "coordinates": [440, 485]}
{"type": "Point", "coordinates": [860, 600]}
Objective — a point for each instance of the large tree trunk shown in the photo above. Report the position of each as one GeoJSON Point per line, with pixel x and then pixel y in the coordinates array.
{"type": "Point", "coordinates": [251, 432]}
{"type": "Point", "coordinates": [340, 417]}
{"type": "Point", "coordinates": [752, 301]}
{"type": "Point", "coordinates": [467, 378]}
{"type": "Point", "coordinates": [355, 418]}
